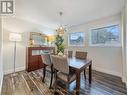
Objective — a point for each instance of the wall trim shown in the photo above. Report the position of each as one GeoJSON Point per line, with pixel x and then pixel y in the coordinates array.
{"type": "Point", "coordinates": [126, 84]}
{"type": "Point", "coordinates": [124, 79]}
{"type": "Point", "coordinates": [97, 68]}
{"type": "Point", "coordinates": [11, 70]}
{"type": "Point", "coordinates": [111, 72]}
{"type": "Point", "coordinates": [1, 83]}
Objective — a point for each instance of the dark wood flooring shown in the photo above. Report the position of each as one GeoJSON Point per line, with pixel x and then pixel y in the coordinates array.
{"type": "Point", "coordinates": [30, 84]}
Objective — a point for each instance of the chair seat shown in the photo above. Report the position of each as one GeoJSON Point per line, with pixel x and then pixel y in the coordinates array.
{"type": "Point", "coordinates": [64, 77]}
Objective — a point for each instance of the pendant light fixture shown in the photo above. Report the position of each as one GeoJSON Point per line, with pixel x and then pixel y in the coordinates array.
{"type": "Point", "coordinates": [60, 30]}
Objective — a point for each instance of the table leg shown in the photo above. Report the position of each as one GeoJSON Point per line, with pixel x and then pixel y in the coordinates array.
{"type": "Point", "coordinates": [51, 77]}
{"type": "Point", "coordinates": [85, 74]}
{"type": "Point", "coordinates": [90, 73]}
{"type": "Point", "coordinates": [77, 81]}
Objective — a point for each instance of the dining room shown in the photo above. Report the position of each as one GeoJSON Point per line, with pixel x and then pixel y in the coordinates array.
{"type": "Point", "coordinates": [63, 47]}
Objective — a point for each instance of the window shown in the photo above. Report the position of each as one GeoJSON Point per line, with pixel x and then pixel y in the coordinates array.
{"type": "Point", "coordinates": [105, 36]}
{"type": "Point", "coordinates": [76, 39]}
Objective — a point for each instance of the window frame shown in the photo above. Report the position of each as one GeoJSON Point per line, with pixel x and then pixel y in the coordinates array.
{"type": "Point", "coordinates": [76, 45]}
{"type": "Point", "coordinates": [103, 45]}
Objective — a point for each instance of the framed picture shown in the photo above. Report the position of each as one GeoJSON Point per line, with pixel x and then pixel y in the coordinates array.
{"type": "Point", "coordinates": [37, 39]}
{"type": "Point", "coordinates": [76, 39]}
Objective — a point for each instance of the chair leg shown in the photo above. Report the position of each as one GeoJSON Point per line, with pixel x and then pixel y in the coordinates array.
{"type": "Point", "coordinates": [55, 82]}
{"type": "Point", "coordinates": [44, 71]}
{"type": "Point", "coordinates": [51, 77]}
{"type": "Point", "coordinates": [55, 86]}
{"type": "Point", "coordinates": [67, 88]}
{"type": "Point", "coordinates": [85, 74]}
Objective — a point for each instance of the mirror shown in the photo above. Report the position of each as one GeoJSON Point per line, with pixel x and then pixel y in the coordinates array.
{"type": "Point", "coordinates": [37, 39]}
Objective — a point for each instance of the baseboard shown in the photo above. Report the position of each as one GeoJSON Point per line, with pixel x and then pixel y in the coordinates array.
{"type": "Point", "coordinates": [107, 71]}
{"type": "Point", "coordinates": [1, 83]}
{"type": "Point", "coordinates": [126, 84]}
{"type": "Point", "coordinates": [124, 79]}
{"type": "Point", "coordinates": [111, 72]}
{"type": "Point", "coordinates": [12, 70]}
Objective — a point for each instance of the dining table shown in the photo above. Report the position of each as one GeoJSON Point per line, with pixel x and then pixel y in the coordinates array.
{"type": "Point", "coordinates": [79, 65]}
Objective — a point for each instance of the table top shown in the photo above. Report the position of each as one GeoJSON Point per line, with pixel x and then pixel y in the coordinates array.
{"type": "Point", "coordinates": [79, 63]}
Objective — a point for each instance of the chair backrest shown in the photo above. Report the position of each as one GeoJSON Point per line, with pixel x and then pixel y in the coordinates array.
{"type": "Point", "coordinates": [70, 53]}
{"type": "Point", "coordinates": [60, 63]}
{"type": "Point", "coordinates": [46, 59]}
{"type": "Point", "coordinates": [81, 55]}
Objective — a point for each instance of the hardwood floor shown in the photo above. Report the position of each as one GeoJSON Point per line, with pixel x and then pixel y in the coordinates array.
{"type": "Point", "coordinates": [30, 84]}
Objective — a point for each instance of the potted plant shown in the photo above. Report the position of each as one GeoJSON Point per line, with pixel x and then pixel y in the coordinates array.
{"type": "Point", "coordinates": [59, 44]}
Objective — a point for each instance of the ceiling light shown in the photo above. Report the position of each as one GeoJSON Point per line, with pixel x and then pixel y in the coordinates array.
{"type": "Point", "coordinates": [60, 30]}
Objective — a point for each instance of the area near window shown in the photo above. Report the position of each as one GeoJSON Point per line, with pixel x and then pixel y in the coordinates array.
{"type": "Point", "coordinates": [76, 39]}
{"type": "Point", "coordinates": [105, 36]}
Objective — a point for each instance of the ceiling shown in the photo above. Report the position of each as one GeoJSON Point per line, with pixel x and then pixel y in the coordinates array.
{"type": "Point", "coordinates": [75, 12]}
{"type": "Point", "coordinates": [45, 12]}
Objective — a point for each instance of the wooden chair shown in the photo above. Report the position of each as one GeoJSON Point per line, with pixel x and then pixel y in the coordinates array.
{"type": "Point", "coordinates": [47, 65]}
{"type": "Point", "coordinates": [81, 55]}
{"type": "Point", "coordinates": [70, 53]}
{"type": "Point", "coordinates": [62, 71]}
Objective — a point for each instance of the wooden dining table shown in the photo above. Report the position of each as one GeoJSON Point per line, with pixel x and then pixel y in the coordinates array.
{"type": "Point", "coordinates": [80, 65]}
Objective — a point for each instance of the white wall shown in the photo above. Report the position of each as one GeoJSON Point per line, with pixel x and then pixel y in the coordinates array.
{"type": "Point", "coordinates": [1, 63]}
{"type": "Point", "coordinates": [8, 53]}
{"type": "Point", "coordinates": [12, 24]}
{"type": "Point", "coordinates": [124, 50]}
{"type": "Point", "coordinates": [105, 59]}
{"type": "Point", "coordinates": [126, 41]}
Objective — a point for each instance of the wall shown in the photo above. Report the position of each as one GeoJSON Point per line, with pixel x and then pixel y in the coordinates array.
{"type": "Point", "coordinates": [126, 39]}
{"type": "Point", "coordinates": [8, 53]}
{"type": "Point", "coordinates": [12, 24]}
{"type": "Point", "coordinates": [105, 59]}
{"type": "Point", "coordinates": [1, 63]}
{"type": "Point", "coordinates": [124, 42]}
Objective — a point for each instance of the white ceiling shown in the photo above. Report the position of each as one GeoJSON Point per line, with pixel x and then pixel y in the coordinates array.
{"type": "Point", "coordinates": [43, 15]}
{"type": "Point", "coordinates": [75, 12]}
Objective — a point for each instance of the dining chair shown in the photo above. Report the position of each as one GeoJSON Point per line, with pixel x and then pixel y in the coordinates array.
{"type": "Point", "coordinates": [47, 65]}
{"type": "Point", "coordinates": [62, 71]}
{"type": "Point", "coordinates": [81, 55]}
{"type": "Point", "coordinates": [70, 53]}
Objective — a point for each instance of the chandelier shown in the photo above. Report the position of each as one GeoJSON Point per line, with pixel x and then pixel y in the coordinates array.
{"type": "Point", "coordinates": [60, 30]}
